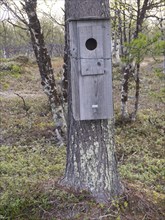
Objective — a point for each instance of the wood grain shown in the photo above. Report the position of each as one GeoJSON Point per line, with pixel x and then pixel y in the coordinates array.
{"type": "Point", "coordinates": [91, 70]}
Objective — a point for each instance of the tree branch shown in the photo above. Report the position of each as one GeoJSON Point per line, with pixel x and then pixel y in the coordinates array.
{"type": "Point", "coordinates": [25, 107]}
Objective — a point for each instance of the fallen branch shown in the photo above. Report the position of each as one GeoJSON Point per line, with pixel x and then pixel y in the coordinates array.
{"type": "Point", "coordinates": [25, 107]}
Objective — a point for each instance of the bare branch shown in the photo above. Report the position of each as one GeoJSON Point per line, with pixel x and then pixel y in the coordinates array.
{"type": "Point", "coordinates": [25, 107]}
{"type": "Point", "coordinates": [15, 25]}
{"type": "Point", "coordinates": [14, 12]}
{"type": "Point", "coordinates": [53, 19]}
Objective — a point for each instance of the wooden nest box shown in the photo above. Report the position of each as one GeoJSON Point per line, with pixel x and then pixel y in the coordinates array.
{"type": "Point", "coordinates": [91, 68]}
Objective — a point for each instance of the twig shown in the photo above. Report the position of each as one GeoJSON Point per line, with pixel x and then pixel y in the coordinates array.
{"type": "Point", "coordinates": [144, 217]}
{"type": "Point", "coordinates": [15, 25]}
{"type": "Point", "coordinates": [108, 215]}
{"type": "Point", "coordinates": [25, 107]}
{"type": "Point", "coordinates": [53, 19]}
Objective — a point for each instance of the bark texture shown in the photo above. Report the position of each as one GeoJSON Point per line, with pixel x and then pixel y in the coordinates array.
{"type": "Point", "coordinates": [91, 163]}
{"type": "Point", "coordinates": [40, 50]}
{"type": "Point", "coordinates": [126, 72]}
{"type": "Point", "coordinates": [137, 81]}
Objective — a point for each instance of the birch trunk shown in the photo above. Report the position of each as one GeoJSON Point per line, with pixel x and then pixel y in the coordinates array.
{"type": "Point", "coordinates": [91, 162]}
{"type": "Point", "coordinates": [41, 53]}
{"type": "Point", "coordinates": [42, 57]}
{"type": "Point", "coordinates": [137, 92]}
{"type": "Point", "coordinates": [126, 72]}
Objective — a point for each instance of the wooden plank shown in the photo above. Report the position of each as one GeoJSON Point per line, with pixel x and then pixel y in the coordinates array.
{"type": "Point", "coordinates": [96, 91]}
{"type": "Point", "coordinates": [87, 8]}
{"type": "Point", "coordinates": [92, 66]}
{"type": "Point", "coordinates": [91, 73]}
{"type": "Point", "coordinates": [72, 36]}
{"type": "Point", "coordinates": [74, 70]}
{"type": "Point", "coordinates": [107, 40]}
{"type": "Point", "coordinates": [88, 30]}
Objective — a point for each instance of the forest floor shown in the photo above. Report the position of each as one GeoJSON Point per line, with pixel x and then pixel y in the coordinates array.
{"type": "Point", "coordinates": [32, 162]}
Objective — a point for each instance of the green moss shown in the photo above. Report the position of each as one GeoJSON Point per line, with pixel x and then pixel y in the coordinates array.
{"type": "Point", "coordinates": [149, 171]}
{"type": "Point", "coordinates": [24, 170]}
{"type": "Point", "coordinates": [16, 70]}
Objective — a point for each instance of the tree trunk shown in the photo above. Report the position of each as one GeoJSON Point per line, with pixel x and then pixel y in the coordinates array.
{"type": "Point", "coordinates": [162, 29]}
{"type": "Point", "coordinates": [128, 68]}
{"type": "Point", "coordinates": [164, 62]}
{"type": "Point", "coordinates": [115, 36]}
{"type": "Point", "coordinates": [126, 72]}
{"type": "Point", "coordinates": [91, 162]}
{"type": "Point", "coordinates": [40, 50]}
{"type": "Point", "coordinates": [45, 67]}
{"type": "Point", "coordinates": [43, 59]}
{"type": "Point", "coordinates": [137, 92]}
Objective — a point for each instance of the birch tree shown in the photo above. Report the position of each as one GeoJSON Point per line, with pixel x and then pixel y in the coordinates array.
{"type": "Point", "coordinates": [91, 163]}
{"type": "Point", "coordinates": [129, 19]}
{"type": "Point", "coordinates": [26, 12]}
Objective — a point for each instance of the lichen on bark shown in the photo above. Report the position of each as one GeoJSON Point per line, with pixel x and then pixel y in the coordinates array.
{"type": "Point", "coordinates": [91, 163]}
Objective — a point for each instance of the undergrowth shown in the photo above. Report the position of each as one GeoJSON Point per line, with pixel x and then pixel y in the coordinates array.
{"type": "Point", "coordinates": [141, 150]}
{"type": "Point", "coordinates": [31, 163]}
{"type": "Point", "coordinates": [24, 172]}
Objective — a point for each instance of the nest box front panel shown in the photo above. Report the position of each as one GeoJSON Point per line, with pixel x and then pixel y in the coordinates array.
{"type": "Point", "coordinates": [91, 70]}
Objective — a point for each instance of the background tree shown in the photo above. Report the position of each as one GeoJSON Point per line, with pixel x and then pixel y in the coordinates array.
{"type": "Point", "coordinates": [5, 38]}
{"type": "Point", "coordinates": [160, 23]}
{"type": "Point", "coordinates": [53, 35]}
{"type": "Point", "coordinates": [129, 19]}
{"type": "Point", "coordinates": [28, 16]}
{"type": "Point", "coordinates": [15, 37]}
{"type": "Point", "coordinates": [14, 40]}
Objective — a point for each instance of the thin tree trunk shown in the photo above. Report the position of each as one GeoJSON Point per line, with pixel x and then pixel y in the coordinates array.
{"type": "Point", "coordinates": [115, 37]}
{"type": "Point", "coordinates": [164, 62]}
{"type": "Point", "coordinates": [137, 92]}
{"type": "Point", "coordinates": [128, 69]}
{"type": "Point", "coordinates": [65, 66]}
{"type": "Point", "coordinates": [162, 29]}
{"type": "Point", "coordinates": [45, 67]}
{"type": "Point", "coordinates": [91, 162]}
{"type": "Point", "coordinates": [120, 23]}
{"type": "Point", "coordinates": [126, 72]}
{"type": "Point", "coordinates": [43, 59]}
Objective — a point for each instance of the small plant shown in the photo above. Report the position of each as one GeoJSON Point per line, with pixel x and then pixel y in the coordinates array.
{"type": "Point", "coordinates": [159, 95]}
{"type": "Point", "coordinates": [159, 73]}
{"type": "Point", "coordinates": [10, 69]}
{"type": "Point", "coordinates": [15, 70]}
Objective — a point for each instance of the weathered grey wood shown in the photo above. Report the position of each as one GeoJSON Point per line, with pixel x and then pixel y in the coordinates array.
{"type": "Point", "coordinates": [91, 66]}
{"type": "Point", "coordinates": [92, 80]}
{"type": "Point", "coordinates": [86, 8]}
{"type": "Point", "coordinates": [93, 91]}
{"type": "Point", "coordinates": [74, 69]}
{"type": "Point", "coordinates": [87, 18]}
{"type": "Point", "coordinates": [87, 30]}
